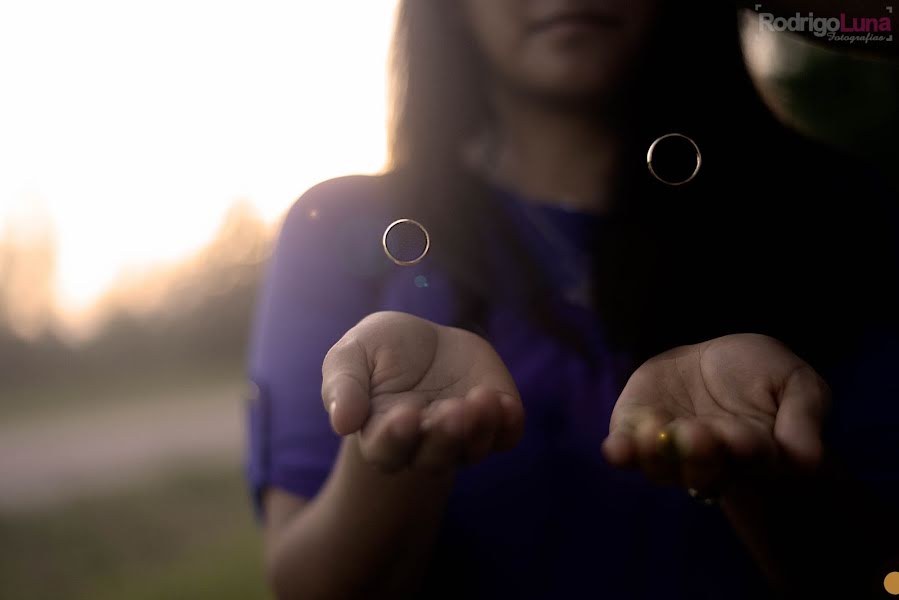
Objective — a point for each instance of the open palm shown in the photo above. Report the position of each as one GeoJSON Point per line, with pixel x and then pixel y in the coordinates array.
{"type": "Point", "coordinates": [697, 414]}
{"type": "Point", "coordinates": [419, 394]}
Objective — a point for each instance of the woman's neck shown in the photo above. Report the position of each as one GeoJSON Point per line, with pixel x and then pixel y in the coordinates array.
{"type": "Point", "coordinates": [554, 155]}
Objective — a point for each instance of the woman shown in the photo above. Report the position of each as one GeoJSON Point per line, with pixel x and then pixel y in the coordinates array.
{"type": "Point", "coordinates": [472, 390]}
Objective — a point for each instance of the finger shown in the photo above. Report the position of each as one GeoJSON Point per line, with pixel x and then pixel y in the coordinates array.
{"type": "Point", "coordinates": [444, 431]}
{"type": "Point", "coordinates": [750, 443]}
{"type": "Point", "coordinates": [656, 454]}
{"type": "Point", "coordinates": [800, 416]}
{"type": "Point", "coordinates": [345, 385]}
{"type": "Point", "coordinates": [702, 456]}
{"type": "Point", "coordinates": [390, 440]}
{"type": "Point", "coordinates": [484, 415]}
{"type": "Point", "coordinates": [511, 428]}
{"type": "Point", "coordinates": [619, 448]}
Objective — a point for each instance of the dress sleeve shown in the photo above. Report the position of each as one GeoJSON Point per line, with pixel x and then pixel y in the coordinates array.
{"type": "Point", "coordinates": [324, 276]}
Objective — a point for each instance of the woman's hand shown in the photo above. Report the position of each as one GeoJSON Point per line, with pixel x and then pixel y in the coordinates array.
{"type": "Point", "coordinates": [419, 394]}
{"type": "Point", "coordinates": [700, 415]}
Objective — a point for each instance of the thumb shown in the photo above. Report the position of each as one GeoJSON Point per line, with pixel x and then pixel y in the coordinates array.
{"type": "Point", "coordinates": [345, 385]}
{"type": "Point", "coordinates": [800, 416]}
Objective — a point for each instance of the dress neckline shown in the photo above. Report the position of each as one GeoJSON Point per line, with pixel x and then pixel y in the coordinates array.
{"type": "Point", "coordinates": [546, 206]}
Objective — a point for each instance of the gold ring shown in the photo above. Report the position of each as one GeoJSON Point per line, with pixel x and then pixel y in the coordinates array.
{"type": "Point", "coordinates": [652, 148]}
{"type": "Point", "coordinates": [416, 260]}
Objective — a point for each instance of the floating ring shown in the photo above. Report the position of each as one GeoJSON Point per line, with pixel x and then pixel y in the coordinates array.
{"type": "Point", "coordinates": [402, 261]}
{"type": "Point", "coordinates": [652, 149]}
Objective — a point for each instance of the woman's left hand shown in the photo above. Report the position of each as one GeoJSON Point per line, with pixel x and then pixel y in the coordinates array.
{"type": "Point", "coordinates": [702, 415]}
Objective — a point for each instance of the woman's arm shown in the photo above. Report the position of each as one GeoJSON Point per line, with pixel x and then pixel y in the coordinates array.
{"type": "Point", "coordinates": [366, 534]}
{"type": "Point", "coordinates": [413, 400]}
{"type": "Point", "coordinates": [331, 524]}
{"type": "Point", "coordinates": [741, 417]}
{"type": "Point", "coordinates": [843, 517]}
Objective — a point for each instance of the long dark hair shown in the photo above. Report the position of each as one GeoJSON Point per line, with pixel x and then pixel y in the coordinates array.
{"type": "Point", "coordinates": [694, 81]}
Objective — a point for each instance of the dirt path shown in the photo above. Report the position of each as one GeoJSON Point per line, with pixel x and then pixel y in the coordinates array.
{"type": "Point", "coordinates": [55, 460]}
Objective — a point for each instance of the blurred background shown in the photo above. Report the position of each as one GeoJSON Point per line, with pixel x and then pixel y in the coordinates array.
{"type": "Point", "coordinates": [147, 154]}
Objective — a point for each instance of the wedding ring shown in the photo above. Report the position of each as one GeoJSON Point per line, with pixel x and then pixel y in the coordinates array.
{"type": "Point", "coordinates": [655, 169]}
{"type": "Point", "coordinates": [406, 242]}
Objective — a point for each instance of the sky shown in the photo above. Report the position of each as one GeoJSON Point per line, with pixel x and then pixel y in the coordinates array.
{"type": "Point", "coordinates": [132, 127]}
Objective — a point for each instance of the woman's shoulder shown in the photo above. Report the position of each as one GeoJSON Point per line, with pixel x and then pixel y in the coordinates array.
{"type": "Point", "coordinates": [347, 196]}
{"type": "Point", "coordinates": [338, 212]}
{"type": "Point", "coordinates": [334, 230]}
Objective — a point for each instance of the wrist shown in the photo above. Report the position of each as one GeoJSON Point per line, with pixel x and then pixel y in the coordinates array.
{"type": "Point", "coordinates": [359, 476]}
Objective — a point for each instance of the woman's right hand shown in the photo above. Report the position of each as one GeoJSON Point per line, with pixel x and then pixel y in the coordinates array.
{"type": "Point", "coordinates": [419, 394]}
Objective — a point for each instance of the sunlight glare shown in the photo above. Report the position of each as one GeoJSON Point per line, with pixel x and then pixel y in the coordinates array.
{"type": "Point", "coordinates": [137, 125]}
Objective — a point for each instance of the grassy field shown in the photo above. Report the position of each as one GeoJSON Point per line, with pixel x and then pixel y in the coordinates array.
{"type": "Point", "coordinates": [190, 535]}
{"type": "Point", "coordinates": [59, 398]}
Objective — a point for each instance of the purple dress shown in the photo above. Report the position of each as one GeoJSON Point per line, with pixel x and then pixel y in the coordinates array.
{"type": "Point", "coordinates": [548, 519]}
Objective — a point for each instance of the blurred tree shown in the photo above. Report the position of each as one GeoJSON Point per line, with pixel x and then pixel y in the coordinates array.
{"type": "Point", "coordinates": [27, 271]}
{"type": "Point", "coordinates": [162, 325]}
